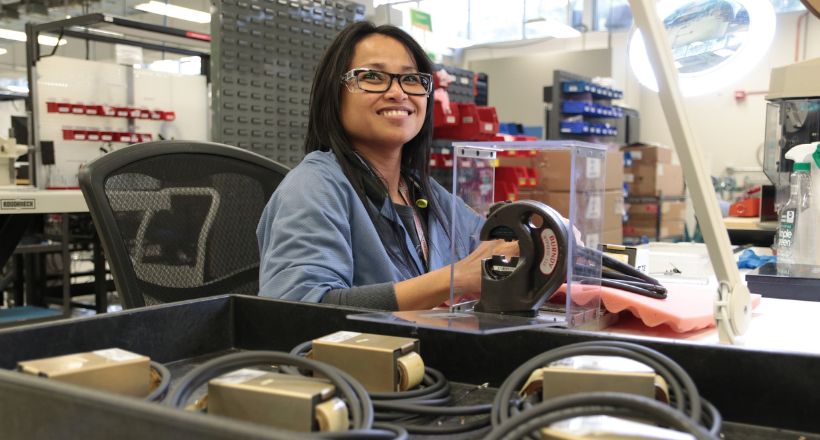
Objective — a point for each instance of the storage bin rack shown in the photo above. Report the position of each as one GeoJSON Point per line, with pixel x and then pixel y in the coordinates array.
{"type": "Point", "coordinates": [183, 335]}
{"type": "Point", "coordinates": [264, 59]}
{"type": "Point", "coordinates": [659, 201]}
{"type": "Point", "coordinates": [595, 113]}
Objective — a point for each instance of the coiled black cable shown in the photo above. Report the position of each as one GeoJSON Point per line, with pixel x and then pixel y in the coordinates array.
{"type": "Point", "coordinates": [432, 398]}
{"type": "Point", "coordinates": [165, 381]}
{"type": "Point", "coordinates": [683, 394]}
{"type": "Point", "coordinates": [349, 389]}
{"type": "Point", "coordinates": [588, 404]}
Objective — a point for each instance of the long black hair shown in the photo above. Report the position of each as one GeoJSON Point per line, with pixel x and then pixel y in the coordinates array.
{"type": "Point", "coordinates": [325, 131]}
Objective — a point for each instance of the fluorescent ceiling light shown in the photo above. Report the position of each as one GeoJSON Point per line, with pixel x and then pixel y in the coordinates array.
{"type": "Point", "coordinates": [21, 36]}
{"type": "Point", "coordinates": [552, 28]}
{"type": "Point", "coordinates": [175, 12]}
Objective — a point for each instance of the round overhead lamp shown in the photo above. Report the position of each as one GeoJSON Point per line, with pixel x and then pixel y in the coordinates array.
{"type": "Point", "coordinates": [714, 42]}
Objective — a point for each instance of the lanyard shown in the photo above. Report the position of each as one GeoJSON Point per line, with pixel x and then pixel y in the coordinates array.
{"type": "Point", "coordinates": [419, 231]}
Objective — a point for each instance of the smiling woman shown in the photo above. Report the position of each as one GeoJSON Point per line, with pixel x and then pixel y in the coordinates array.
{"type": "Point", "coordinates": [359, 222]}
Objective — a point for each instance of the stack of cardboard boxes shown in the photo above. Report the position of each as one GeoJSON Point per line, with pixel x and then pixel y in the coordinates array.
{"type": "Point", "coordinates": [553, 169]}
{"type": "Point", "coordinates": [652, 175]}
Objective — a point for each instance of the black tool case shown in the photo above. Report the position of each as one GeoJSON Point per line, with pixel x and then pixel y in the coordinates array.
{"type": "Point", "coordinates": [770, 391]}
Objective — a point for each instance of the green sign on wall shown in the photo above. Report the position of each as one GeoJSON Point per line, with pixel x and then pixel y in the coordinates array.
{"type": "Point", "coordinates": [421, 20]}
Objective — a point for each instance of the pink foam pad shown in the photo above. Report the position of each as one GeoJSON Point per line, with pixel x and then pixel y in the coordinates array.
{"type": "Point", "coordinates": [685, 308]}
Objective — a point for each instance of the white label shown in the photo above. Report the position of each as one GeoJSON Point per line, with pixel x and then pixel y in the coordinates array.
{"type": "Point", "coordinates": [451, 119]}
{"type": "Point", "coordinates": [93, 137]}
{"type": "Point", "coordinates": [122, 113]}
{"type": "Point", "coordinates": [593, 207]}
{"type": "Point", "coordinates": [503, 269]}
{"type": "Point", "coordinates": [551, 252]}
{"type": "Point", "coordinates": [125, 138]}
{"type": "Point", "coordinates": [467, 120]}
{"type": "Point", "coordinates": [117, 355]}
{"type": "Point", "coordinates": [77, 110]}
{"type": "Point", "coordinates": [17, 204]}
{"type": "Point", "coordinates": [566, 130]}
{"type": "Point", "coordinates": [660, 170]}
{"type": "Point", "coordinates": [63, 109]}
{"type": "Point", "coordinates": [592, 241]}
{"type": "Point", "coordinates": [629, 177]}
{"type": "Point", "coordinates": [106, 137]}
{"type": "Point", "coordinates": [593, 168]}
{"type": "Point", "coordinates": [155, 116]}
{"type": "Point", "coordinates": [90, 111]}
{"type": "Point", "coordinates": [339, 337]}
{"type": "Point", "coordinates": [170, 117]}
{"type": "Point", "coordinates": [619, 206]}
{"type": "Point", "coordinates": [239, 376]}
{"type": "Point", "coordinates": [636, 155]}
{"type": "Point", "coordinates": [464, 80]}
{"type": "Point", "coordinates": [488, 127]}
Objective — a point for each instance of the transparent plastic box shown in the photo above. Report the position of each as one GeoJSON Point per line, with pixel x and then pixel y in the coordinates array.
{"type": "Point", "coordinates": [570, 173]}
{"type": "Point", "coordinates": [564, 171]}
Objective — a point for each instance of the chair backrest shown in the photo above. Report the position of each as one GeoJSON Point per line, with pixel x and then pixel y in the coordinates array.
{"type": "Point", "coordinates": [178, 219]}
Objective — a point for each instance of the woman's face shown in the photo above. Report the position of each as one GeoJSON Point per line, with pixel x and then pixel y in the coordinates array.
{"type": "Point", "coordinates": [385, 120]}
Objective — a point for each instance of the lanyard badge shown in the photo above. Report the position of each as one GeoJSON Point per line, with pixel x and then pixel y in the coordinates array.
{"type": "Point", "coordinates": [417, 221]}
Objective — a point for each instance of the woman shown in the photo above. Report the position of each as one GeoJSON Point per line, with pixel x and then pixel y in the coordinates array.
{"type": "Point", "coordinates": [359, 222]}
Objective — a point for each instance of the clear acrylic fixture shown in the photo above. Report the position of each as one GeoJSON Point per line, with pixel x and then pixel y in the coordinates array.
{"type": "Point", "coordinates": [570, 177]}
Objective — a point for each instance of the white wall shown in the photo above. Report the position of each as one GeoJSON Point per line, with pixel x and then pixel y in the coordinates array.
{"type": "Point", "coordinates": [729, 130]}
{"type": "Point", "coordinates": [516, 84]}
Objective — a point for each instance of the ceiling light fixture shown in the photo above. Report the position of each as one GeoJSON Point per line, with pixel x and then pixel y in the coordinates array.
{"type": "Point", "coordinates": [552, 28]}
{"type": "Point", "coordinates": [175, 12]}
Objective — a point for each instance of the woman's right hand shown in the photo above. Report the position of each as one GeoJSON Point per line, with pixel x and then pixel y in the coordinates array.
{"type": "Point", "coordinates": [467, 272]}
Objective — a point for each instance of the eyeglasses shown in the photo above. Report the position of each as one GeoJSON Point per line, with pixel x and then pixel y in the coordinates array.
{"type": "Point", "coordinates": [377, 81]}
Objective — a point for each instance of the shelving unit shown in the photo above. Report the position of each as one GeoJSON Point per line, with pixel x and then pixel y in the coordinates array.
{"type": "Point", "coordinates": [595, 116]}
{"type": "Point", "coordinates": [659, 202]}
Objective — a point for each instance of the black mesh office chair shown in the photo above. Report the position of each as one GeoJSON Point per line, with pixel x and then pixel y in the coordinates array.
{"type": "Point", "coordinates": [178, 219]}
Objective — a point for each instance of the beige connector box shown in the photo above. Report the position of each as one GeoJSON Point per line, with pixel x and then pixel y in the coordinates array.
{"type": "Point", "coordinates": [380, 363]}
{"type": "Point", "coordinates": [585, 374]}
{"type": "Point", "coordinates": [113, 369]}
{"type": "Point", "coordinates": [283, 401]}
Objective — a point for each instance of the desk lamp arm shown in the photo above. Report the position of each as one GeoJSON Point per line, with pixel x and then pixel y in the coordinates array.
{"type": "Point", "coordinates": [733, 302]}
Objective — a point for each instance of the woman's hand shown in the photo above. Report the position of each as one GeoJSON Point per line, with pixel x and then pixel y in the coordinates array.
{"type": "Point", "coordinates": [467, 272]}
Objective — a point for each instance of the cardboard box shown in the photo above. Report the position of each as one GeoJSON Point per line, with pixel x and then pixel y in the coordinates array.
{"type": "Point", "coordinates": [669, 210]}
{"type": "Point", "coordinates": [554, 168]}
{"type": "Point", "coordinates": [532, 194]}
{"type": "Point", "coordinates": [649, 154]}
{"type": "Point", "coordinates": [524, 161]}
{"type": "Point", "coordinates": [608, 205]}
{"type": "Point", "coordinates": [613, 236]}
{"type": "Point", "coordinates": [649, 228]}
{"type": "Point", "coordinates": [652, 180]}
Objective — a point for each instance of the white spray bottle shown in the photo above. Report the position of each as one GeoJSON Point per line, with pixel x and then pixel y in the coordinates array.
{"type": "Point", "coordinates": [798, 235]}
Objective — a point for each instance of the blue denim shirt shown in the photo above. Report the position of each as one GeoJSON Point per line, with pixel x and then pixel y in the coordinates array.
{"type": "Point", "coordinates": [315, 235]}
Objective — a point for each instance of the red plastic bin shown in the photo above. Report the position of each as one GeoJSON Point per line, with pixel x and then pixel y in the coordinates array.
{"type": "Point", "coordinates": [94, 110]}
{"type": "Point", "coordinates": [169, 116]}
{"type": "Point", "coordinates": [93, 135]}
{"type": "Point", "coordinates": [122, 112]}
{"type": "Point", "coordinates": [107, 136]}
{"type": "Point", "coordinates": [77, 109]}
{"type": "Point", "coordinates": [442, 119]}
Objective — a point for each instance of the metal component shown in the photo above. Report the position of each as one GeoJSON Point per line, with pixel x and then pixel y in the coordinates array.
{"type": "Point", "coordinates": [370, 359]}
{"type": "Point", "coordinates": [537, 272]}
{"type": "Point", "coordinates": [279, 400]}
{"type": "Point", "coordinates": [114, 370]}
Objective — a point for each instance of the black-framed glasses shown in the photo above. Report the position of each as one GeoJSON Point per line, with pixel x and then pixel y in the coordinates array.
{"type": "Point", "coordinates": [377, 81]}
